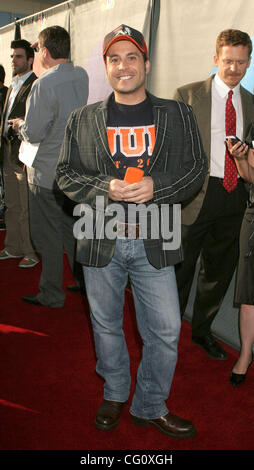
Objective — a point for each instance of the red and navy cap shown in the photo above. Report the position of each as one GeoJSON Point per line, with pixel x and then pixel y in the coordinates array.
{"type": "Point", "coordinates": [127, 33]}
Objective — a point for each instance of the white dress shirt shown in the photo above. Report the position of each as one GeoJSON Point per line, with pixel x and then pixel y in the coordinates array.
{"type": "Point", "coordinates": [218, 133]}
{"type": "Point", "coordinates": [17, 83]}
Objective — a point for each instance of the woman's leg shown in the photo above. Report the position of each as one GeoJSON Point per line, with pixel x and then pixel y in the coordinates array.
{"type": "Point", "coordinates": [247, 339]}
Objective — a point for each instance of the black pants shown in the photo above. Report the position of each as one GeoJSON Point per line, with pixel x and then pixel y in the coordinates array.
{"type": "Point", "coordinates": [214, 237]}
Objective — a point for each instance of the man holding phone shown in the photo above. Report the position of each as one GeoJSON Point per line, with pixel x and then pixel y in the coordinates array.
{"type": "Point", "coordinates": [212, 219]}
{"type": "Point", "coordinates": [132, 128]}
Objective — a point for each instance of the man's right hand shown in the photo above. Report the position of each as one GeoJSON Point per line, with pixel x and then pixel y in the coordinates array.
{"type": "Point", "coordinates": [116, 188]}
{"type": "Point", "coordinates": [237, 150]}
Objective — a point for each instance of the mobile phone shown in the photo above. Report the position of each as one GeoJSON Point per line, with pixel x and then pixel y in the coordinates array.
{"type": "Point", "coordinates": [234, 139]}
{"type": "Point", "coordinates": [133, 175]}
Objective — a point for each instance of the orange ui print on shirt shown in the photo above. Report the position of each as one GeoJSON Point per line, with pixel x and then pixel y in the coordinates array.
{"type": "Point", "coordinates": [131, 147]}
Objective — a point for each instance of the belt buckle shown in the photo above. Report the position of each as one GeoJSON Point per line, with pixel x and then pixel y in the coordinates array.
{"type": "Point", "coordinates": [127, 230]}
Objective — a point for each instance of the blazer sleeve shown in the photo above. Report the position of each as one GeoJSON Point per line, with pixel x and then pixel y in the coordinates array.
{"type": "Point", "coordinates": [76, 173]}
{"type": "Point", "coordinates": [40, 111]}
{"type": "Point", "coordinates": [187, 166]}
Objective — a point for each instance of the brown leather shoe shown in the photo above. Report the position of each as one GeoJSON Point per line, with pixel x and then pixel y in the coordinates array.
{"type": "Point", "coordinates": [169, 424]}
{"type": "Point", "coordinates": [108, 415]}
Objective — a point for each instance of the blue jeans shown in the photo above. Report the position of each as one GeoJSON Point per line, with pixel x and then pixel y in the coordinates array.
{"type": "Point", "coordinates": [158, 319]}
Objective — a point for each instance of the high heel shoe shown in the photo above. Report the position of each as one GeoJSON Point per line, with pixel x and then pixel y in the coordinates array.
{"type": "Point", "coordinates": [238, 379]}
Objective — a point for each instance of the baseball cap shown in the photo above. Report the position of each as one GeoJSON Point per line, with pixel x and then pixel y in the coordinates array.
{"type": "Point", "coordinates": [127, 33]}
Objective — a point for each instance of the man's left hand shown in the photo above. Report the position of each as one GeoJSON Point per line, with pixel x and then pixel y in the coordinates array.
{"type": "Point", "coordinates": [15, 123]}
{"type": "Point", "coordinates": [139, 192]}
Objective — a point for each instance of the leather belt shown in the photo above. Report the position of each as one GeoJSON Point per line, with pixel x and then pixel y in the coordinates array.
{"type": "Point", "coordinates": [132, 231]}
{"type": "Point", "coordinates": [220, 180]}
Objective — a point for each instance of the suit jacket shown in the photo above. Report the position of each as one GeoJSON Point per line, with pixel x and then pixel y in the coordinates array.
{"type": "Point", "coordinates": [18, 111]}
{"type": "Point", "coordinates": [199, 96]}
{"type": "Point", "coordinates": [85, 168]}
{"type": "Point", "coordinates": [56, 93]}
{"type": "Point", "coordinates": [3, 92]}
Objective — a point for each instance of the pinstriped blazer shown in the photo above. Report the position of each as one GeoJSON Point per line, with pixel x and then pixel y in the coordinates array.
{"type": "Point", "coordinates": [85, 168]}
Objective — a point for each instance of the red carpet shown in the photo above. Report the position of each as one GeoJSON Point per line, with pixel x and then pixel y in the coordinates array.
{"type": "Point", "coordinates": [50, 391]}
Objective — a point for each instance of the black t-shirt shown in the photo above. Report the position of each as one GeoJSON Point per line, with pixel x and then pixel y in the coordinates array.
{"type": "Point", "coordinates": [131, 134]}
{"type": "Point", "coordinates": [3, 92]}
{"type": "Point", "coordinates": [131, 137]}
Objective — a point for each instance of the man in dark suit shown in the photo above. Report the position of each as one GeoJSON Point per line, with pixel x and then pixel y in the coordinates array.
{"type": "Point", "coordinates": [3, 91]}
{"type": "Point", "coordinates": [212, 219]}
{"type": "Point", "coordinates": [17, 241]}
{"type": "Point", "coordinates": [137, 132]}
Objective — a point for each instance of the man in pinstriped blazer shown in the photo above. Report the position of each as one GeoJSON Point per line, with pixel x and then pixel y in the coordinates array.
{"type": "Point", "coordinates": [160, 138]}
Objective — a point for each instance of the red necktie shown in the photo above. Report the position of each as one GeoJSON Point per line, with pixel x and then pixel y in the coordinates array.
{"type": "Point", "coordinates": [230, 171]}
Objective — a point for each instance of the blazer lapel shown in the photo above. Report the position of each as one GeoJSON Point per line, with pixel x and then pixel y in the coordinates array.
{"type": "Point", "coordinates": [6, 102]}
{"type": "Point", "coordinates": [100, 133]}
{"type": "Point", "coordinates": [248, 110]}
{"type": "Point", "coordinates": [202, 107]}
{"type": "Point", "coordinates": [160, 121]}
{"type": "Point", "coordinates": [22, 90]}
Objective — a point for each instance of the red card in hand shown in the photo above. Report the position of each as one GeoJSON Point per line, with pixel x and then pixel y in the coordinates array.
{"type": "Point", "coordinates": [133, 175]}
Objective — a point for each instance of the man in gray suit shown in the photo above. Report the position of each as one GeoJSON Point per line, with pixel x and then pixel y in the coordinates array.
{"type": "Point", "coordinates": [60, 89]}
{"type": "Point", "coordinates": [137, 132]}
{"type": "Point", "coordinates": [212, 219]}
